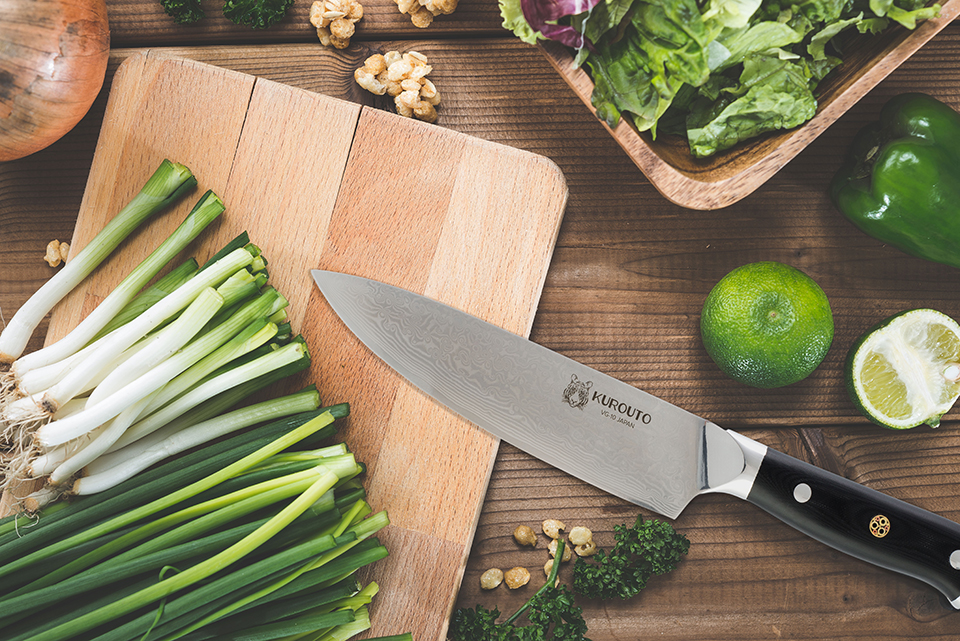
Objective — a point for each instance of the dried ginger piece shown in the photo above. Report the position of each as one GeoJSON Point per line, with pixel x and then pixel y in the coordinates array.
{"type": "Point", "coordinates": [422, 12]}
{"type": "Point", "coordinates": [335, 21]}
{"type": "Point", "coordinates": [404, 78]}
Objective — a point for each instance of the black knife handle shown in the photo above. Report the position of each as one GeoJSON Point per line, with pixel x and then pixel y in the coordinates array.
{"type": "Point", "coordinates": [861, 522]}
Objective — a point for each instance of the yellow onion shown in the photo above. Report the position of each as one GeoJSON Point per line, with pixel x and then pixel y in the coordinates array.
{"type": "Point", "coordinates": [53, 59]}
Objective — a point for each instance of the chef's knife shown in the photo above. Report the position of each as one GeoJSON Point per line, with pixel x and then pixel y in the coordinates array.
{"type": "Point", "coordinates": [625, 441]}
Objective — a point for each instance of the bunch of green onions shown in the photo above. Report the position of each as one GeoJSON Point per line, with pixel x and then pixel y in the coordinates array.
{"type": "Point", "coordinates": [188, 512]}
{"type": "Point", "coordinates": [255, 537]}
{"type": "Point", "coordinates": [148, 370]}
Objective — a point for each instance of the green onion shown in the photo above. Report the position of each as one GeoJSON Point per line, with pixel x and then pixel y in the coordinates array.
{"type": "Point", "coordinates": [183, 512]}
{"type": "Point", "coordinates": [122, 464]}
{"type": "Point", "coordinates": [193, 574]}
{"type": "Point", "coordinates": [167, 184]}
{"type": "Point", "coordinates": [164, 502]}
{"type": "Point", "coordinates": [142, 375]}
{"type": "Point", "coordinates": [241, 328]}
{"type": "Point", "coordinates": [179, 615]}
{"type": "Point", "coordinates": [157, 482]}
{"type": "Point", "coordinates": [284, 356]}
{"type": "Point", "coordinates": [17, 522]}
{"type": "Point", "coordinates": [214, 512]}
{"type": "Point", "coordinates": [16, 607]}
{"type": "Point", "coordinates": [241, 240]}
{"type": "Point", "coordinates": [205, 212]}
{"type": "Point", "coordinates": [34, 407]}
{"type": "Point", "coordinates": [264, 612]}
{"type": "Point", "coordinates": [149, 297]}
{"type": "Point", "coordinates": [299, 625]}
{"type": "Point", "coordinates": [41, 378]}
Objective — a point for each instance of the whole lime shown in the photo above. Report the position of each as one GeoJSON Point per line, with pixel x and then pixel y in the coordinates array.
{"type": "Point", "coordinates": [767, 324]}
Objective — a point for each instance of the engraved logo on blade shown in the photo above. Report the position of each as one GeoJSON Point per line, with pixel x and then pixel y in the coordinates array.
{"type": "Point", "coordinates": [577, 393]}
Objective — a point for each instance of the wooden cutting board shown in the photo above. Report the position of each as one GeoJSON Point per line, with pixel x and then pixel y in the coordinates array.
{"type": "Point", "coordinates": [322, 183]}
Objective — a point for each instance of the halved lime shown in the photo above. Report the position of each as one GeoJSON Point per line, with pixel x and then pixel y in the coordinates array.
{"type": "Point", "coordinates": [905, 371]}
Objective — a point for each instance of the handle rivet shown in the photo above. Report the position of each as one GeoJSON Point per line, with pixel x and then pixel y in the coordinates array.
{"type": "Point", "coordinates": [879, 526]}
{"type": "Point", "coordinates": [802, 493]}
{"type": "Point", "coordinates": [955, 559]}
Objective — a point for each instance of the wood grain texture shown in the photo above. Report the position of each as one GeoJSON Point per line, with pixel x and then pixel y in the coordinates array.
{"type": "Point", "coordinates": [623, 293]}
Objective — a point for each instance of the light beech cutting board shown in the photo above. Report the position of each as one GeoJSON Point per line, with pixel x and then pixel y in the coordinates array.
{"type": "Point", "coordinates": [322, 183]}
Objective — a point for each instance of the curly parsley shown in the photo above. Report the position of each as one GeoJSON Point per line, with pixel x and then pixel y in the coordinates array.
{"type": "Point", "coordinates": [644, 550]}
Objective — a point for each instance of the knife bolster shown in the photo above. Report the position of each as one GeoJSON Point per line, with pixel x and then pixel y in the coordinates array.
{"type": "Point", "coordinates": [740, 486]}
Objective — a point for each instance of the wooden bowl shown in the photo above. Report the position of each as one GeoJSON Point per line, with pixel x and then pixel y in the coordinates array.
{"type": "Point", "coordinates": [730, 175]}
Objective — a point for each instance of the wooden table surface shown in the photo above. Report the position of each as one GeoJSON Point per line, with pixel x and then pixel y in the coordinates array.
{"type": "Point", "coordinates": [629, 274]}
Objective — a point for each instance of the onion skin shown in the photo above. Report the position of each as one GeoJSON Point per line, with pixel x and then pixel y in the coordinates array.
{"type": "Point", "coordinates": [53, 60]}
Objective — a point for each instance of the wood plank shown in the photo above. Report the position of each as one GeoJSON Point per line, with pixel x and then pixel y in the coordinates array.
{"type": "Point", "coordinates": [131, 148]}
{"type": "Point", "coordinates": [429, 227]}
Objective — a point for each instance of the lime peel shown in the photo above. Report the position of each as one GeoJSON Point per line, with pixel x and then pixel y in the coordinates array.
{"type": "Point", "coordinates": [766, 324]}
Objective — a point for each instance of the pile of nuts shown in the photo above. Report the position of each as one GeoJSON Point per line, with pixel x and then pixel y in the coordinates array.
{"type": "Point", "coordinates": [404, 77]}
{"type": "Point", "coordinates": [579, 541]}
{"type": "Point", "coordinates": [335, 21]}
{"type": "Point", "coordinates": [422, 12]}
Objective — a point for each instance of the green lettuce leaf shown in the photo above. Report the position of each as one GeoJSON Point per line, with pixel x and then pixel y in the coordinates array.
{"type": "Point", "coordinates": [731, 14]}
{"type": "Point", "coordinates": [909, 18]}
{"type": "Point", "coordinates": [675, 39]}
{"type": "Point", "coordinates": [606, 16]}
{"type": "Point", "coordinates": [823, 11]}
{"type": "Point", "coordinates": [754, 39]}
{"type": "Point", "coordinates": [663, 48]}
{"type": "Point", "coordinates": [622, 82]}
{"type": "Point", "coordinates": [719, 71]}
{"type": "Point", "coordinates": [777, 96]}
{"type": "Point", "coordinates": [873, 25]}
{"type": "Point", "coordinates": [819, 40]}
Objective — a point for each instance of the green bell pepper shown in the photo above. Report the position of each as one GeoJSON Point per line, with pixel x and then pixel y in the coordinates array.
{"type": "Point", "coordinates": [900, 182]}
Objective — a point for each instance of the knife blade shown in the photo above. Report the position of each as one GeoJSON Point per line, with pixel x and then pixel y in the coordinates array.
{"type": "Point", "coordinates": [625, 441]}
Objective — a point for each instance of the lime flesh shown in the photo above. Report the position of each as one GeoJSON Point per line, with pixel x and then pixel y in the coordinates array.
{"type": "Point", "coordinates": [904, 372]}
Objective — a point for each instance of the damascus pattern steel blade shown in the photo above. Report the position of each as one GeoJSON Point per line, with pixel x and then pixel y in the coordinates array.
{"type": "Point", "coordinates": [588, 424]}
